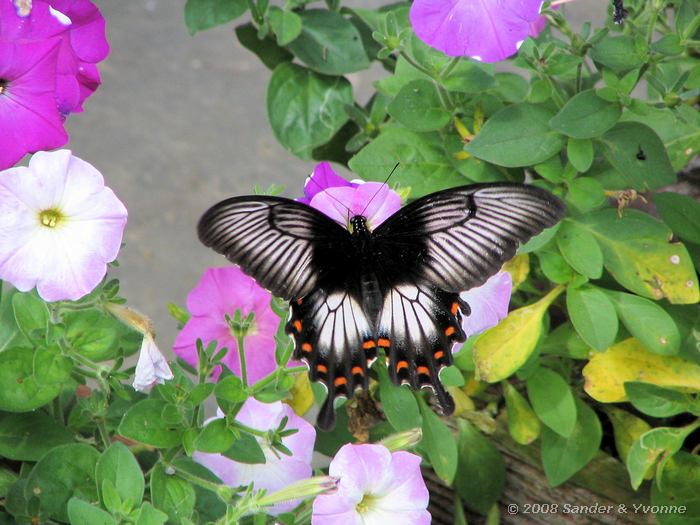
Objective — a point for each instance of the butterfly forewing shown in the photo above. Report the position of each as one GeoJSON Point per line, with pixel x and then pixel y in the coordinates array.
{"type": "Point", "coordinates": [279, 242]}
{"type": "Point", "coordinates": [458, 238]}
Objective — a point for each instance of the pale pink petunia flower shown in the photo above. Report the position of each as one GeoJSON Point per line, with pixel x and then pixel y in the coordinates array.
{"type": "Point", "coordinates": [377, 487]}
{"type": "Point", "coordinates": [488, 303]}
{"type": "Point", "coordinates": [220, 292]}
{"type": "Point", "coordinates": [485, 30]}
{"type": "Point", "coordinates": [279, 470]}
{"type": "Point", "coordinates": [59, 226]}
{"type": "Point", "coordinates": [152, 367]}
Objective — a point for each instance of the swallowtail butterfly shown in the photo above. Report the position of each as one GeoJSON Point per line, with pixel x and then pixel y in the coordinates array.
{"type": "Point", "coordinates": [353, 291]}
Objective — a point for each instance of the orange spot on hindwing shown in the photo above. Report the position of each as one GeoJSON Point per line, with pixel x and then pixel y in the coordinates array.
{"type": "Point", "coordinates": [450, 330]}
{"type": "Point", "coordinates": [455, 308]}
{"type": "Point", "coordinates": [384, 343]}
{"type": "Point", "coordinates": [423, 370]}
{"type": "Point", "coordinates": [297, 325]}
{"type": "Point", "coordinates": [306, 347]}
{"type": "Point", "coordinates": [323, 369]}
{"type": "Point", "coordinates": [438, 355]}
{"type": "Point", "coordinates": [340, 381]}
{"type": "Point", "coordinates": [401, 365]}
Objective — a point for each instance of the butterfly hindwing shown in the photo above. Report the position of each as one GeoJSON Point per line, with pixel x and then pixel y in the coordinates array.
{"type": "Point", "coordinates": [456, 239]}
{"type": "Point", "coordinates": [281, 243]}
{"type": "Point", "coordinates": [418, 326]}
{"type": "Point", "coordinates": [335, 338]}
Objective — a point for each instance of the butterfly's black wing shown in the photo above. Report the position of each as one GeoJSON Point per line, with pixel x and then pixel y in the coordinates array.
{"type": "Point", "coordinates": [286, 246]}
{"type": "Point", "coordinates": [456, 239]}
{"type": "Point", "coordinates": [436, 247]}
{"type": "Point", "coordinates": [335, 337]}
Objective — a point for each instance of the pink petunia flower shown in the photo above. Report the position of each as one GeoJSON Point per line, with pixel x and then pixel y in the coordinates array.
{"type": "Point", "coordinates": [77, 27]}
{"type": "Point", "coordinates": [488, 303]}
{"type": "Point", "coordinates": [59, 226]}
{"type": "Point", "coordinates": [220, 292]}
{"type": "Point", "coordinates": [377, 487]}
{"type": "Point", "coordinates": [29, 120]}
{"type": "Point", "coordinates": [484, 30]}
{"type": "Point", "coordinates": [279, 470]}
{"type": "Point", "coordinates": [340, 200]}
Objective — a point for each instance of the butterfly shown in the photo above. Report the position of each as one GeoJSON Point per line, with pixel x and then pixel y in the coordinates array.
{"type": "Point", "coordinates": [355, 291]}
{"type": "Point", "coordinates": [619, 11]}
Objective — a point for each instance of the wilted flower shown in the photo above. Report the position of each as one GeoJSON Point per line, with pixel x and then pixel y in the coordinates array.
{"type": "Point", "coordinates": [77, 27]}
{"type": "Point", "coordinates": [377, 487]}
{"type": "Point", "coordinates": [279, 470]}
{"type": "Point", "coordinates": [59, 226]}
{"type": "Point", "coordinates": [340, 200]}
{"type": "Point", "coordinates": [152, 367]}
{"type": "Point", "coordinates": [488, 303]}
{"type": "Point", "coordinates": [29, 120]}
{"type": "Point", "coordinates": [218, 294]}
{"type": "Point", "coordinates": [483, 30]}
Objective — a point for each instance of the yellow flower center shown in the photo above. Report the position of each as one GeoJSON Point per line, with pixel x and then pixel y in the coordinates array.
{"type": "Point", "coordinates": [366, 504]}
{"type": "Point", "coordinates": [24, 7]}
{"type": "Point", "coordinates": [51, 217]}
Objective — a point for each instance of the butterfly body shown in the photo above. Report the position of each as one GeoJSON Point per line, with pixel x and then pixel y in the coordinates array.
{"type": "Point", "coordinates": [355, 291]}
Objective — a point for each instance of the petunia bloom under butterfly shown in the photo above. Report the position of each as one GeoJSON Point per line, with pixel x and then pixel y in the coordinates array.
{"type": "Point", "coordinates": [395, 287]}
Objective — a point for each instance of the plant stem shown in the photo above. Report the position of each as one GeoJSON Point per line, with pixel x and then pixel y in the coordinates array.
{"type": "Point", "coordinates": [104, 435]}
{"type": "Point", "coordinates": [241, 355]}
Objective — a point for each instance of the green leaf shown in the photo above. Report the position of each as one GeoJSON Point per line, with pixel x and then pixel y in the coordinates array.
{"type": "Point", "coordinates": [627, 429]}
{"type": "Point", "coordinates": [51, 367]}
{"type": "Point", "coordinates": [563, 457]}
{"type": "Point", "coordinates": [470, 77]}
{"type": "Point", "coordinates": [31, 314]}
{"type": "Point", "coordinates": [593, 315]}
{"type": "Point", "coordinates": [655, 447]}
{"type": "Point", "coordinates": [399, 403]}
{"type": "Point", "coordinates": [523, 424]}
{"type": "Point", "coordinates": [501, 140]}
{"type": "Point", "coordinates": [539, 240]}
{"type": "Point", "coordinates": [82, 513]}
{"type": "Point", "coordinates": [231, 389]}
{"type": "Point", "coordinates": [147, 422]}
{"type": "Point", "coordinates": [482, 472]}
{"type": "Point", "coordinates": [638, 154]}
{"type": "Point", "coordinates": [93, 334]}
{"type": "Point", "coordinates": [64, 472]}
{"type": "Point", "coordinates": [580, 249]}
{"type": "Point", "coordinates": [305, 109]}
{"type": "Point", "coordinates": [617, 53]}
{"type": "Point", "coordinates": [329, 43]}
{"type": "Point", "coordinates": [648, 322]}
{"type": "Point", "coordinates": [265, 49]}
{"type": "Point", "coordinates": [118, 466]}
{"type": "Point", "coordinates": [403, 74]}
{"type": "Point", "coordinates": [27, 393]}
{"type": "Point", "coordinates": [30, 435]}
{"type": "Point", "coordinates": [149, 515]}
{"type": "Point", "coordinates": [418, 107]}
{"type": "Point", "coordinates": [552, 401]}
{"type": "Point", "coordinates": [678, 488]}
{"type": "Point", "coordinates": [555, 267]}
{"type": "Point", "coordinates": [585, 116]}
{"type": "Point", "coordinates": [423, 165]}
{"type": "Point", "coordinates": [285, 24]}
{"type": "Point", "coordinates": [215, 437]}
{"type": "Point", "coordinates": [681, 213]}
{"type": "Point", "coordinates": [246, 449]}
{"type": "Point", "coordinates": [171, 494]}
{"type": "Point", "coordinates": [205, 14]}
{"type": "Point", "coordinates": [585, 194]}
{"type": "Point", "coordinates": [580, 154]}
{"type": "Point", "coordinates": [638, 254]}
{"type": "Point", "coordinates": [439, 444]}
{"type": "Point", "coordinates": [657, 401]}
{"type": "Point", "coordinates": [7, 479]}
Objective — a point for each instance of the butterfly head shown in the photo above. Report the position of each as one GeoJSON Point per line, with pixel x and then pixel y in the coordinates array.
{"type": "Point", "coordinates": [358, 225]}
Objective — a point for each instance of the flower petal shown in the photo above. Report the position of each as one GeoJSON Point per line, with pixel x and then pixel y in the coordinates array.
{"type": "Point", "coordinates": [376, 201]}
{"type": "Point", "coordinates": [322, 178]}
{"type": "Point", "coordinates": [152, 367]}
{"type": "Point", "coordinates": [488, 303]}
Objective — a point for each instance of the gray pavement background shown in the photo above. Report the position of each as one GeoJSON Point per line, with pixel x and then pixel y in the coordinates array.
{"type": "Point", "coordinates": [178, 124]}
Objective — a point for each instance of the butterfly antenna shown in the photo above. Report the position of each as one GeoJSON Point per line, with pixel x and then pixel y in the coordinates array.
{"type": "Point", "coordinates": [380, 188]}
{"type": "Point", "coordinates": [311, 179]}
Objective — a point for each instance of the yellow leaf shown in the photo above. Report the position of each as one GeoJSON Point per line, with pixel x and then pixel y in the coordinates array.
{"type": "Point", "coordinates": [607, 372]}
{"type": "Point", "coordinates": [518, 268]}
{"type": "Point", "coordinates": [503, 349]}
{"type": "Point", "coordinates": [523, 424]}
{"type": "Point", "coordinates": [302, 395]}
{"type": "Point", "coordinates": [627, 429]}
{"type": "Point", "coordinates": [463, 403]}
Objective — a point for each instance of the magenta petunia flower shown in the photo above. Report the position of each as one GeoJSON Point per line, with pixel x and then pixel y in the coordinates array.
{"type": "Point", "coordinates": [485, 30]}
{"type": "Point", "coordinates": [29, 120]}
{"type": "Point", "coordinates": [488, 303]}
{"type": "Point", "coordinates": [220, 292]}
{"type": "Point", "coordinates": [59, 226]}
{"type": "Point", "coordinates": [377, 487]}
{"type": "Point", "coordinates": [340, 199]}
{"type": "Point", "coordinates": [279, 470]}
{"type": "Point", "coordinates": [78, 28]}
